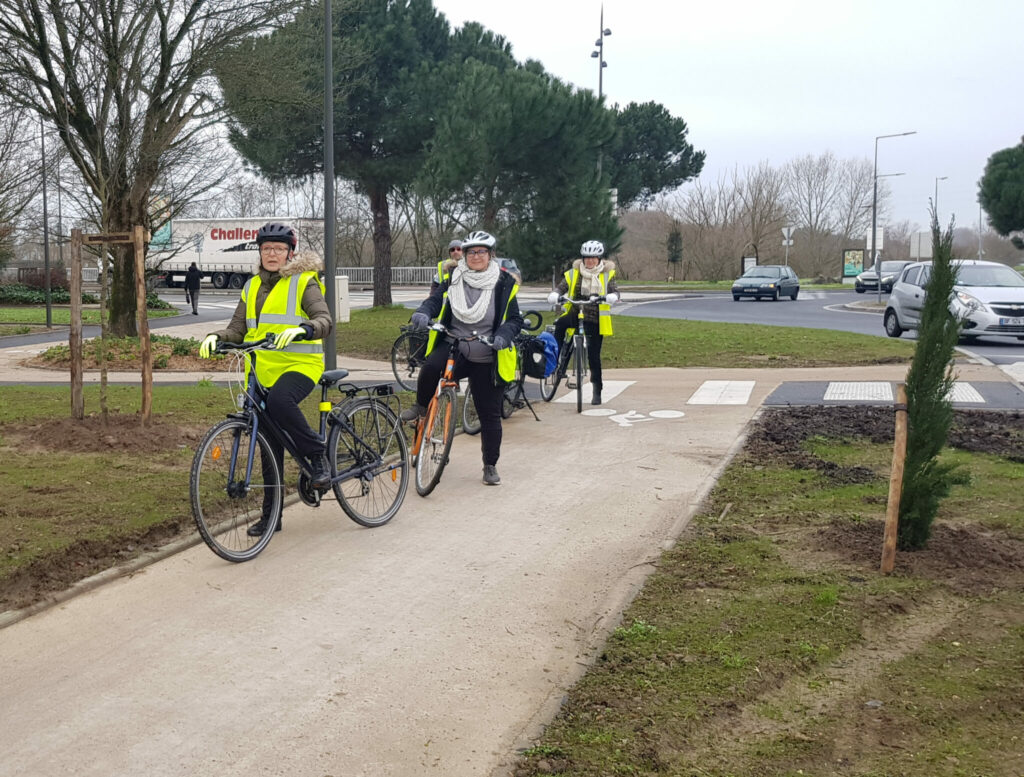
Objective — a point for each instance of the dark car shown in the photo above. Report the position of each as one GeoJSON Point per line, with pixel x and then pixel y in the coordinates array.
{"type": "Point", "coordinates": [868, 280]}
{"type": "Point", "coordinates": [767, 280]}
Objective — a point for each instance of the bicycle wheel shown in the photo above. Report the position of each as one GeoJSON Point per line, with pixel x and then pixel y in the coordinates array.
{"type": "Point", "coordinates": [549, 385]}
{"type": "Point", "coordinates": [223, 506]}
{"type": "Point", "coordinates": [372, 446]}
{"type": "Point", "coordinates": [406, 358]}
{"type": "Point", "coordinates": [579, 360]}
{"type": "Point", "coordinates": [470, 418]}
{"type": "Point", "coordinates": [508, 399]}
{"type": "Point", "coordinates": [438, 433]}
{"type": "Point", "coordinates": [532, 321]}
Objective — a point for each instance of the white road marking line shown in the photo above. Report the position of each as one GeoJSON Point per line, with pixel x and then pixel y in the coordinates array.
{"type": "Point", "coordinates": [964, 392]}
{"type": "Point", "coordinates": [722, 392]}
{"type": "Point", "coordinates": [610, 390]}
{"type": "Point", "coordinates": [864, 390]}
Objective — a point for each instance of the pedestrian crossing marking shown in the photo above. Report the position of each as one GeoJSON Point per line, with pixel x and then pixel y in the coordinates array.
{"type": "Point", "coordinates": [722, 392]}
{"type": "Point", "coordinates": [965, 392]}
{"type": "Point", "coordinates": [873, 391]}
{"type": "Point", "coordinates": [609, 390]}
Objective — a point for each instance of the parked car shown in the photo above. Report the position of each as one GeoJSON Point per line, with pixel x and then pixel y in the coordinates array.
{"type": "Point", "coordinates": [988, 297]}
{"type": "Point", "coordinates": [767, 280]}
{"type": "Point", "coordinates": [868, 280]}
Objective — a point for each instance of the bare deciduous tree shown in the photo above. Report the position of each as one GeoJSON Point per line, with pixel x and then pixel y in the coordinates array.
{"type": "Point", "coordinates": [127, 86]}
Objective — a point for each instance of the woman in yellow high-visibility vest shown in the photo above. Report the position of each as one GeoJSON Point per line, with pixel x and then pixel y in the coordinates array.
{"type": "Point", "coordinates": [590, 275]}
{"type": "Point", "coordinates": [285, 298]}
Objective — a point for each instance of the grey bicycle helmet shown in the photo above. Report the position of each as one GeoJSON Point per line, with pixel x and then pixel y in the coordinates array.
{"type": "Point", "coordinates": [592, 248]}
{"type": "Point", "coordinates": [476, 239]}
{"type": "Point", "coordinates": [272, 232]}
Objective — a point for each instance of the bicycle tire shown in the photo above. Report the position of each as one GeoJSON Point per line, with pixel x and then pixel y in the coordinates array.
{"type": "Point", "coordinates": [407, 357]}
{"type": "Point", "coordinates": [549, 385]}
{"type": "Point", "coordinates": [532, 321]}
{"type": "Point", "coordinates": [438, 433]}
{"type": "Point", "coordinates": [470, 418]}
{"type": "Point", "coordinates": [578, 357]}
{"type": "Point", "coordinates": [376, 441]}
{"type": "Point", "coordinates": [508, 399]}
{"type": "Point", "coordinates": [222, 514]}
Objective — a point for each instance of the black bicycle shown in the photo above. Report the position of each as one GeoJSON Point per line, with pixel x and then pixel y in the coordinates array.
{"type": "Point", "coordinates": [573, 352]}
{"type": "Point", "coordinates": [234, 466]}
{"type": "Point", "coordinates": [407, 356]}
{"type": "Point", "coordinates": [514, 396]}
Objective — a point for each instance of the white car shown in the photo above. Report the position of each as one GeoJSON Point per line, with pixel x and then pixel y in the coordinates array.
{"type": "Point", "coordinates": [988, 298]}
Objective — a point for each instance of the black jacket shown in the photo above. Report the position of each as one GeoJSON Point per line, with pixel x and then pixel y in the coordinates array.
{"type": "Point", "coordinates": [192, 278]}
{"type": "Point", "coordinates": [508, 329]}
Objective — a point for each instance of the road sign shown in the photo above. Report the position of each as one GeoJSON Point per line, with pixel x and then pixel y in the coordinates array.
{"type": "Point", "coordinates": [787, 232]}
{"type": "Point", "coordinates": [787, 243]}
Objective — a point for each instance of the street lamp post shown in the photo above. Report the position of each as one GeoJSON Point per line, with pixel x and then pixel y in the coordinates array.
{"type": "Point", "coordinates": [874, 209]}
{"type": "Point", "coordinates": [46, 233]}
{"type": "Point", "coordinates": [598, 54]}
{"type": "Point", "coordinates": [935, 202]}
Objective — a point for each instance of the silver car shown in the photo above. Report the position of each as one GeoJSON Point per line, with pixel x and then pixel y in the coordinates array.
{"type": "Point", "coordinates": [988, 298]}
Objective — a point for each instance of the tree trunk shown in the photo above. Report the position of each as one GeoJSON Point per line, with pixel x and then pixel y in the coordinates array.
{"type": "Point", "coordinates": [381, 246]}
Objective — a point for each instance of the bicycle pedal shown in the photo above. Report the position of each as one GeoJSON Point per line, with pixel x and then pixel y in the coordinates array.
{"type": "Point", "coordinates": [570, 383]}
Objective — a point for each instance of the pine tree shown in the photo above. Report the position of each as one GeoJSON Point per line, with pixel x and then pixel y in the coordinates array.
{"type": "Point", "coordinates": [926, 480]}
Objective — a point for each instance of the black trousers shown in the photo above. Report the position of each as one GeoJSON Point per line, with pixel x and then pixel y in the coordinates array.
{"type": "Point", "coordinates": [486, 396]}
{"type": "Point", "coordinates": [192, 295]}
{"type": "Point", "coordinates": [594, 341]}
{"type": "Point", "coordinates": [283, 406]}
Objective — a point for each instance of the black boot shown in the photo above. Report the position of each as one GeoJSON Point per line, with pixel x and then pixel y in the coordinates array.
{"type": "Point", "coordinates": [257, 529]}
{"type": "Point", "coordinates": [597, 396]}
{"type": "Point", "coordinates": [321, 472]}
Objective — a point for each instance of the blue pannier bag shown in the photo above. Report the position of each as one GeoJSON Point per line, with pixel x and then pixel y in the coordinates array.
{"type": "Point", "coordinates": [550, 352]}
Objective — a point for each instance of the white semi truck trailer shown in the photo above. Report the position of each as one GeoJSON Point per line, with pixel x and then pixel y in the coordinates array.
{"type": "Point", "coordinates": [223, 249]}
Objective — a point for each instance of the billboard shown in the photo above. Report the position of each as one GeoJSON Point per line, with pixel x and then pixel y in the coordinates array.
{"type": "Point", "coordinates": [853, 262]}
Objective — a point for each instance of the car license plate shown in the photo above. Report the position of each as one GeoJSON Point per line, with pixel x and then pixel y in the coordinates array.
{"type": "Point", "coordinates": [750, 290]}
{"type": "Point", "coordinates": [1011, 322]}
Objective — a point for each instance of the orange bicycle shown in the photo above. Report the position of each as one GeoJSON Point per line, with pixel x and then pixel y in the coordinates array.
{"type": "Point", "coordinates": [435, 429]}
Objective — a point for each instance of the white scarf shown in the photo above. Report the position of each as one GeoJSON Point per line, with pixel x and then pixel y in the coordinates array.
{"type": "Point", "coordinates": [485, 280]}
{"type": "Point", "coordinates": [589, 283]}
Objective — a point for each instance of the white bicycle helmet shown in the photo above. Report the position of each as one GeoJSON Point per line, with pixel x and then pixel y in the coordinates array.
{"type": "Point", "coordinates": [475, 239]}
{"type": "Point", "coordinates": [592, 248]}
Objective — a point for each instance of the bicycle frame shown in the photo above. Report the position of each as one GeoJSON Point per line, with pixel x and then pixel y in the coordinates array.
{"type": "Point", "coordinates": [447, 380]}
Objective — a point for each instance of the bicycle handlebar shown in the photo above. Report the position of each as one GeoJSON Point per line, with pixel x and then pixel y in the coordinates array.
{"type": "Point", "coordinates": [594, 300]}
{"type": "Point", "coordinates": [442, 329]}
{"type": "Point", "coordinates": [267, 342]}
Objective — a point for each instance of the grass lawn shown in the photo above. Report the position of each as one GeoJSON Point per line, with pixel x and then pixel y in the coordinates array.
{"type": "Point", "coordinates": [60, 315]}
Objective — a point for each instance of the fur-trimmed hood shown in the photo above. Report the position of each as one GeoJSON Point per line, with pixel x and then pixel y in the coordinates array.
{"type": "Point", "coordinates": [609, 265]}
{"type": "Point", "coordinates": [302, 263]}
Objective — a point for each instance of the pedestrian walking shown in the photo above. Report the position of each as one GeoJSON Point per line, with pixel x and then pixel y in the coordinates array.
{"type": "Point", "coordinates": [192, 278]}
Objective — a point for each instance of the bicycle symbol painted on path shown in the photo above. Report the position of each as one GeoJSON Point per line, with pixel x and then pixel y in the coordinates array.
{"type": "Point", "coordinates": [632, 417]}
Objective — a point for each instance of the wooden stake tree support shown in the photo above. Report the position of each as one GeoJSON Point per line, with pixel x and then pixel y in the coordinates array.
{"type": "Point", "coordinates": [137, 238]}
{"type": "Point", "coordinates": [899, 457]}
{"type": "Point", "coordinates": [75, 335]}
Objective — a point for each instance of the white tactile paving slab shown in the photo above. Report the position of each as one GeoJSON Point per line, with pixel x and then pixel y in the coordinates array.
{"type": "Point", "coordinates": [965, 392]}
{"type": "Point", "coordinates": [873, 391]}
{"type": "Point", "coordinates": [610, 390]}
{"type": "Point", "coordinates": [722, 392]}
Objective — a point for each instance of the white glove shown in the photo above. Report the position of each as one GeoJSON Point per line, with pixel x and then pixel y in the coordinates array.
{"type": "Point", "coordinates": [209, 345]}
{"type": "Point", "coordinates": [553, 298]}
{"type": "Point", "coordinates": [284, 339]}
{"type": "Point", "coordinates": [612, 298]}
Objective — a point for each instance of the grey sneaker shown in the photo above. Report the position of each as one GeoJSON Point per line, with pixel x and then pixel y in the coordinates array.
{"type": "Point", "coordinates": [491, 476]}
{"type": "Point", "coordinates": [413, 413]}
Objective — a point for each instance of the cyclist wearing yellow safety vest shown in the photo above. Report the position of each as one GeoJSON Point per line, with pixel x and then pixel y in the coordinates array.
{"type": "Point", "coordinates": [590, 275]}
{"type": "Point", "coordinates": [285, 298]}
{"type": "Point", "coordinates": [474, 295]}
{"type": "Point", "coordinates": [454, 254]}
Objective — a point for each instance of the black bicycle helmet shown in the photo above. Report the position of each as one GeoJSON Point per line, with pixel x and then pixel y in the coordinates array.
{"type": "Point", "coordinates": [272, 232]}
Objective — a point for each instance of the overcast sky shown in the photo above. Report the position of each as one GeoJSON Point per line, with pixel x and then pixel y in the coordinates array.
{"type": "Point", "coordinates": [776, 80]}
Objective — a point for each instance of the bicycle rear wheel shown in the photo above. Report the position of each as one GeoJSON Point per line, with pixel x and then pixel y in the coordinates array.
{"type": "Point", "coordinates": [224, 505]}
{"type": "Point", "coordinates": [549, 385]}
{"type": "Point", "coordinates": [470, 418]}
{"type": "Point", "coordinates": [508, 399]}
{"type": "Point", "coordinates": [438, 433]}
{"type": "Point", "coordinates": [372, 446]}
{"type": "Point", "coordinates": [406, 358]}
{"type": "Point", "coordinates": [580, 359]}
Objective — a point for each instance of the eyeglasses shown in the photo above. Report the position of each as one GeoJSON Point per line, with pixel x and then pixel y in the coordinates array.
{"type": "Point", "coordinates": [453, 250]}
{"type": "Point", "coordinates": [279, 250]}
{"type": "Point", "coordinates": [477, 252]}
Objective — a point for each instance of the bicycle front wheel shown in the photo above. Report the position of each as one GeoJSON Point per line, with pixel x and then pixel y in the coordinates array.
{"type": "Point", "coordinates": [406, 358]}
{"type": "Point", "coordinates": [580, 359]}
{"type": "Point", "coordinates": [372, 448]}
{"type": "Point", "coordinates": [470, 418]}
{"type": "Point", "coordinates": [438, 433]}
{"type": "Point", "coordinates": [225, 504]}
{"type": "Point", "coordinates": [508, 399]}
